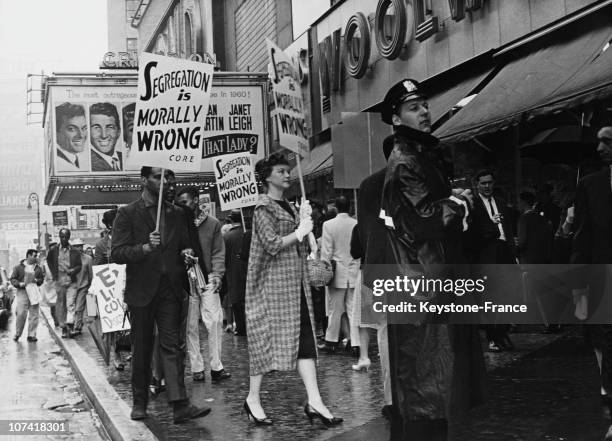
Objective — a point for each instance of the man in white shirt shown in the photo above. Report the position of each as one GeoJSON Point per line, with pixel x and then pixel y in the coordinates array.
{"type": "Point", "coordinates": [335, 246]}
{"type": "Point", "coordinates": [27, 277]}
{"type": "Point", "coordinates": [71, 137]}
{"type": "Point", "coordinates": [105, 130]}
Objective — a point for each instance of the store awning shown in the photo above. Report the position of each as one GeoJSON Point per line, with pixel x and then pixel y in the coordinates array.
{"type": "Point", "coordinates": [441, 103]}
{"type": "Point", "coordinates": [575, 69]}
{"type": "Point", "coordinates": [320, 160]}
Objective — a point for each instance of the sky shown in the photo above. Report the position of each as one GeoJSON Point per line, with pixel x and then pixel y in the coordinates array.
{"type": "Point", "coordinates": [305, 12]}
{"type": "Point", "coordinates": [38, 36]}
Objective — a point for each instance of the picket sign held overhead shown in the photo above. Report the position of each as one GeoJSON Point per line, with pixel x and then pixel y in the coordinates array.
{"type": "Point", "coordinates": [173, 96]}
{"type": "Point", "coordinates": [289, 111]}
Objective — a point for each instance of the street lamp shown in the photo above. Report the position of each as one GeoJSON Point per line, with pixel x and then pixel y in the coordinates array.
{"type": "Point", "coordinates": [34, 197]}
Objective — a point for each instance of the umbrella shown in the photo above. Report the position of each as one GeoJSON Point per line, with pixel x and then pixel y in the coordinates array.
{"type": "Point", "coordinates": [562, 145]}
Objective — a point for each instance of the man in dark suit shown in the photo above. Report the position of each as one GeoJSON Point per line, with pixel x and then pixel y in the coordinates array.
{"type": "Point", "coordinates": [534, 232]}
{"type": "Point", "coordinates": [154, 291]}
{"type": "Point", "coordinates": [491, 241]}
{"type": "Point", "coordinates": [592, 245]}
{"type": "Point", "coordinates": [104, 131]}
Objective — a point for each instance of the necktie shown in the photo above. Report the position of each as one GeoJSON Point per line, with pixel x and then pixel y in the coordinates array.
{"type": "Point", "coordinates": [116, 164]}
{"type": "Point", "coordinates": [76, 163]}
{"type": "Point", "coordinates": [491, 207]}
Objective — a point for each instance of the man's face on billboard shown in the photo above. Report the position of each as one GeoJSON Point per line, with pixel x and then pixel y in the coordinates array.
{"type": "Point", "coordinates": [72, 134]}
{"type": "Point", "coordinates": [104, 133]}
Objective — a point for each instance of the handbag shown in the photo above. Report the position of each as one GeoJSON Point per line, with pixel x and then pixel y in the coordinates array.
{"type": "Point", "coordinates": [320, 272]}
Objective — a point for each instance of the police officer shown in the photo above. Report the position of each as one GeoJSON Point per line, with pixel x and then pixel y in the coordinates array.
{"type": "Point", "coordinates": [431, 364]}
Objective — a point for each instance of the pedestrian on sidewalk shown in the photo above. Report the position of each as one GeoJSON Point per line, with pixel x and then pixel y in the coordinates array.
{"type": "Point", "coordinates": [280, 322]}
{"type": "Point", "coordinates": [27, 277]}
{"type": "Point", "coordinates": [592, 245]}
{"type": "Point", "coordinates": [335, 248]}
{"type": "Point", "coordinates": [205, 304]}
{"type": "Point", "coordinates": [84, 279]}
{"type": "Point", "coordinates": [154, 290]}
{"type": "Point", "coordinates": [237, 244]}
{"type": "Point", "coordinates": [65, 264]}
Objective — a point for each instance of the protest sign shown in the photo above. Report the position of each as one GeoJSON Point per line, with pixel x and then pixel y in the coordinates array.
{"type": "Point", "coordinates": [289, 111]}
{"type": "Point", "coordinates": [108, 285]}
{"type": "Point", "coordinates": [236, 180]}
{"type": "Point", "coordinates": [173, 96]}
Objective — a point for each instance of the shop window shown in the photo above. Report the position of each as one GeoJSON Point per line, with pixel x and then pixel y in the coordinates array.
{"type": "Point", "coordinates": [131, 44]}
{"type": "Point", "coordinates": [161, 47]}
{"type": "Point", "coordinates": [188, 35]}
{"type": "Point", "coordinates": [130, 9]}
{"type": "Point", "coordinates": [172, 36]}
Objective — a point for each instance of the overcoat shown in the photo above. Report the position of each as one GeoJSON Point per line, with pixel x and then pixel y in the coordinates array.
{"type": "Point", "coordinates": [275, 279]}
{"type": "Point", "coordinates": [435, 368]}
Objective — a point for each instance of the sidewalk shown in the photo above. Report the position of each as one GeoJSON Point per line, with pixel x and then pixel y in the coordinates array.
{"type": "Point", "coordinates": [545, 390]}
{"type": "Point", "coordinates": [38, 384]}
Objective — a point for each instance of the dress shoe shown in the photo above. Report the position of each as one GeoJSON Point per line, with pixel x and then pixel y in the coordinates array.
{"type": "Point", "coordinates": [219, 375]}
{"type": "Point", "coordinates": [199, 376]}
{"type": "Point", "coordinates": [65, 333]}
{"type": "Point", "coordinates": [362, 365]}
{"type": "Point", "coordinates": [32, 339]}
{"type": "Point", "coordinates": [139, 412]}
{"type": "Point", "coordinates": [387, 411]}
{"type": "Point", "coordinates": [265, 421]}
{"type": "Point", "coordinates": [328, 347]}
{"type": "Point", "coordinates": [312, 413]}
{"type": "Point", "coordinates": [186, 411]}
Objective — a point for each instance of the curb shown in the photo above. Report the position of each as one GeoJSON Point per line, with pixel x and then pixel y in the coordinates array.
{"type": "Point", "coordinates": [112, 410]}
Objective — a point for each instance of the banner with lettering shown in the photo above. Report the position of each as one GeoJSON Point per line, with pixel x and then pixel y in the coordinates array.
{"type": "Point", "coordinates": [173, 97]}
{"type": "Point", "coordinates": [108, 286]}
{"type": "Point", "coordinates": [289, 112]}
{"type": "Point", "coordinates": [235, 123]}
{"type": "Point", "coordinates": [235, 181]}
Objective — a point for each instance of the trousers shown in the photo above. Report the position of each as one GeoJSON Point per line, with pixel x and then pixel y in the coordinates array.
{"type": "Point", "coordinates": [79, 307]}
{"type": "Point", "coordinates": [165, 312]}
{"type": "Point", "coordinates": [65, 304]}
{"type": "Point", "coordinates": [207, 306]}
{"type": "Point", "coordinates": [340, 301]}
{"type": "Point", "coordinates": [23, 310]}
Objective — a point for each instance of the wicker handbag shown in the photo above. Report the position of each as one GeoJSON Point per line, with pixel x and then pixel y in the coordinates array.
{"type": "Point", "coordinates": [320, 272]}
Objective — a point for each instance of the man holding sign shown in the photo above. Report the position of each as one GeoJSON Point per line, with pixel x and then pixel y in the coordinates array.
{"type": "Point", "coordinates": [154, 290]}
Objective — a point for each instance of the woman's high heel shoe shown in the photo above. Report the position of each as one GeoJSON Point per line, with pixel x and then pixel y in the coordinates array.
{"type": "Point", "coordinates": [362, 365]}
{"type": "Point", "coordinates": [258, 422]}
{"type": "Point", "coordinates": [312, 413]}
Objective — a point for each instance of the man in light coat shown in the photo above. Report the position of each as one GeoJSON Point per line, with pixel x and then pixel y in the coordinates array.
{"type": "Point", "coordinates": [335, 246]}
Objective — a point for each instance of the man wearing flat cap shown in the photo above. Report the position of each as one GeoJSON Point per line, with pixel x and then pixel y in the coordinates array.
{"type": "Point", "coordinates": [431, 364]}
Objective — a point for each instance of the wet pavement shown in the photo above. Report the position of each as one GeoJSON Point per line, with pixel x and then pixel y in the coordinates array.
{"type": "Point", "coordinates": [38, 384]}
{"type": "Point", "coordinates": [546, 390]}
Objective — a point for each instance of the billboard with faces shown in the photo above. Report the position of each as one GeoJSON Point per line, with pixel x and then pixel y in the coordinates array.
{"type": "Point", "coordinates": [93, 128]}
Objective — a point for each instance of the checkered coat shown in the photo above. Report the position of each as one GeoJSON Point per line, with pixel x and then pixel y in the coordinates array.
{"type": "Point", "coordinates": [274, 280]}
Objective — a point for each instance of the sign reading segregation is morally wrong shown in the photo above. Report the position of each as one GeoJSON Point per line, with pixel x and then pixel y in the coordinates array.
{"type": "Point", "coordinates": [289, 104]}
{"type": "Point", "coordinates": [235, 180]}
{"type": "Point", "coordinates": [173, 96]}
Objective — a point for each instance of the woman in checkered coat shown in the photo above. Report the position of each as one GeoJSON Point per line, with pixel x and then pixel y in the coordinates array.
{"type": "Point", "coordinates": [279, 314]}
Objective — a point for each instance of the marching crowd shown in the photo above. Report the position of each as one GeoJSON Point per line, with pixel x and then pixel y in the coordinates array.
{"type": "Point", "coordinates": [257, 275]}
